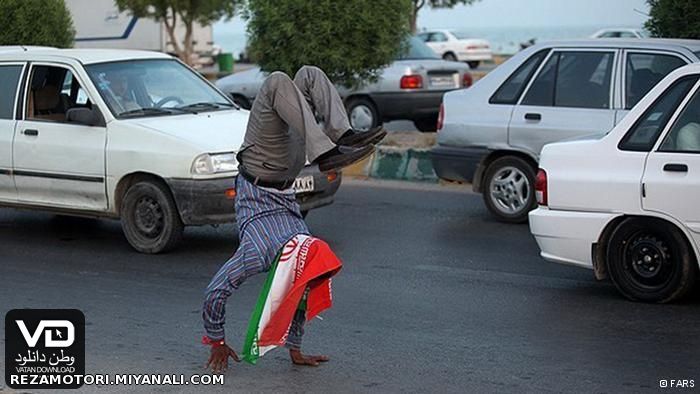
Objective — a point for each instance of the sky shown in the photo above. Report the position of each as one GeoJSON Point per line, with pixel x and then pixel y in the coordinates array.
{"type": "Point", "coordinates": [517, 13]}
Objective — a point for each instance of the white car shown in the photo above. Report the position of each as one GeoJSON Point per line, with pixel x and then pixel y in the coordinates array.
{"type": "Point", "coordinates": [620, 32]}
{"type": "Point", "coordinates": [133, 135]}
{"type": "Point", "coordinates": [456, 46]}
{"type": "Point", "coordinates": [626, 204]}
{"type": "Point", "coordinates": [492, 133]}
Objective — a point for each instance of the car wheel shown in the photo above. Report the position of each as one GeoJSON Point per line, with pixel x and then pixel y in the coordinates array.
{"type": "Point", "coordinates": [426, 124]}
{"type": "Point", "coordinates": [241, 101]}
{"type": "Point", "coordinates": [649, 260]}
{"type": "Point", "coordinates": [150, 219]}
{"type": "Point", "coordinates": [450, 57]}
{"type": "Point", "coordinates": [474, 64]}
{"type": "Point", "coordinates": [509, 193]}
{"type": "Point", "coordinates": [362, 113]}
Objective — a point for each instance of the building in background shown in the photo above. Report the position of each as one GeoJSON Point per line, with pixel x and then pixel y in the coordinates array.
{"type": "Point", "coordinates": [99, 24]}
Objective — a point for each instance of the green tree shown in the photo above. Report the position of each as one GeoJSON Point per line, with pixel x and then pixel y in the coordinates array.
{"type": "Point", "coordinates": [674, 18]}
{"type": "Point", "coordinates": [351, 40]}
{"type": "Point", "coordinates": [36, 22]}
{"type": "Point", "coordinates": [418, 4]}
{"type": "Point", "coordinates": [169, 12]}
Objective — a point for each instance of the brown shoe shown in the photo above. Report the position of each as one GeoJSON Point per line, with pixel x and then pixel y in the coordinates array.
{"type": "Point", "coordinates": [361, 138]}
{"type": "Point", "coordinates": [342, 156]}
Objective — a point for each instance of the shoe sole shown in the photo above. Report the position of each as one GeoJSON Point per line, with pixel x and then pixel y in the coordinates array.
{"type": "Point", "coordinates": [345, 160]}
{"type": "Point", "coordinates": [378, 138]}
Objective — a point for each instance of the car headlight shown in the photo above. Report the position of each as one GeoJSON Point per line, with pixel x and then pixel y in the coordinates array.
{"type": "Point", "coordinates": [207, 164]}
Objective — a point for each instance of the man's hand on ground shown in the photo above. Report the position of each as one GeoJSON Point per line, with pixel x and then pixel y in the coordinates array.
{"type": "Point", "coordinates": [301, 359]}
{"type": "Point", "coordinates": [218, 360]}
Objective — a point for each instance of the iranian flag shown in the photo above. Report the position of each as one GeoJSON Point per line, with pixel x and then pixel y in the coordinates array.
{"type": "Point", "coordinates": [299, 277]}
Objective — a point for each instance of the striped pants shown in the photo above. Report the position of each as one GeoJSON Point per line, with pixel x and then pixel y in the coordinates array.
{"type": "Point", "coordinates": [266, 221]}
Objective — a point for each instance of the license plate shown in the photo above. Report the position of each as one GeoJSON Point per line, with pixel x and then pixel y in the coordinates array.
{"type": "Point", "coordinates": [304, 184]}
{"type": "Point", "coordinates": [443, 80]}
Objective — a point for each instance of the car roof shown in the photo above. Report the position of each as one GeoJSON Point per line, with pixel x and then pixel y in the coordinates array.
{"type": "Point", "coordinates": [645, 43]}
{"type": "Point", "coordinates": [85, 56]}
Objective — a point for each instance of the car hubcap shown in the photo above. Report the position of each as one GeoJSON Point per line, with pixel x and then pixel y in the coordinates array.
{"type": "Point", "coordinates": [647, 260]}
{"type": "Point", "coordinates": [149, 217]}
{"type": "Point", "coordinates": [361, 118]}
{"type": "Point", "coordinates": [510, 190]}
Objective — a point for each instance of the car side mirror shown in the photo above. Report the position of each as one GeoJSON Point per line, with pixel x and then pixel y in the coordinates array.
{"type": "Point", "coordinates": [85, 116]}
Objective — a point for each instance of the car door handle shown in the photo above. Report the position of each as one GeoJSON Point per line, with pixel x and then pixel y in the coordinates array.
{"type": "Point", "coordinates": [33, 132]}
{"type": "Point", "coordinates": [675, 167]}
{"type": "Point", "coordinates": [533, 116]}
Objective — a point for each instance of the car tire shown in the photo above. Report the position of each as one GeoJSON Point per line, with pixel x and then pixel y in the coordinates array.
{"type": "Point", "coordinates": [362, 113]}
{"type": "Point", "coordinates": [150, 219]}
{"type": "Point", "coordinates": [474, 64]}
{"type": "Point", "coordinates": [650, 260]}
{"type": "Point", "coordinates": [509, 191]}
{"type": "Point", "coordinates": [427, 124]}
{"type": "Point", "coordinates": [449, 56]}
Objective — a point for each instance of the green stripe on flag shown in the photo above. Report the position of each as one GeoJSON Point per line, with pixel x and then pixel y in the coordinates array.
{"type": "Point", "coordinates": [251, 351]}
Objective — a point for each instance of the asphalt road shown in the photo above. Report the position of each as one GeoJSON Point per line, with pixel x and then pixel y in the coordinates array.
{"type": "Point", "coordinates": [435, 296]}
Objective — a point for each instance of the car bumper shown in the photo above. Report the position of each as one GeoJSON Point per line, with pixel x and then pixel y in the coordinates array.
{"type": "Point", "coordinates": [205, 202]}
{"type": "Point", "coordinates": [568, 237]}
{"type": "Point", "coordinates": [408, 104]}
{"type": "Point", "coordinates": [470, 56]}
{"type": "Point", "coordinates": [457, 164]}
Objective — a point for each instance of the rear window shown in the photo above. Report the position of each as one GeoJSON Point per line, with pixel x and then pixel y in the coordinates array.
{"type": "Point", "coordinates": [509, 92]}
{"type": "Point", "coordinates": [643, 135]}
{"type": "Point", "coordinates": [9, 77]}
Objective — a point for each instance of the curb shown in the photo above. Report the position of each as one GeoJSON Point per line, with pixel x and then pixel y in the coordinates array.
{"type": "Point", "coordinates": [387, 162]}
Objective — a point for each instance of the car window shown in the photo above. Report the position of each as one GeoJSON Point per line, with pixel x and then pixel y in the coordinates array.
{"type": "Point", "coordinates": [567, 74]}
{"type": "Point", "coordinates": [685, 133]}
{"type": "Point", "coordinates": [81, 97]}
{"type": "Point", "coordinates": [52, 92]}
{"type": "Point", "coordinates": [423, 36]}
{"type": "Point", "coordinates": [154, 87]}
{"type": "Point", "coordinates": [610, 34]}
{"type": "Point", "coordinates": [509, 92]}
{"type": "Point", "coordinates": [417, 49]}
{"type": "Point", "coordinates": [645, 131]}
{"type": "Point", "coordinates": [541, 91]}
{"type": "Point", "coordinates": [643, 71]}
{"type": "Point", "coordinates": [627, 34]}
{"type": "Point", "coordinates": [9, 77]}
{"type": "Point", "coordinates": [438, 37]}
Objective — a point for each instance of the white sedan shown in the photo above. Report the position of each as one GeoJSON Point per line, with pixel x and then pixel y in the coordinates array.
{"type": "Point", "coordinates": [456, 46]}
{"type": "Point", "coordinates": [626, 204]}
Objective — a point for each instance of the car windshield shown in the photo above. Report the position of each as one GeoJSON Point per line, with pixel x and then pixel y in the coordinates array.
{"type": "Point", "coordinates": [418, 50]}
{"type": "Point", "coordinates": [153, 87]}
{"type": "Point", "coordinates": [461, 35]}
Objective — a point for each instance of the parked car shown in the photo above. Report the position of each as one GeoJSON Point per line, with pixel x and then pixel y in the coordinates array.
{"type": "Point", "coordinates": [492, 133]}
{"type": "Point", "coordinates": [457, 46]}
{"type": "Point", "coordinates": [124, 134]}
{"type": "Point", "coordinates": [620, 32]}
{"type": "Point", "coordinates": [626, 204]}
{"type": "Point", "coordinates": [410, 88]}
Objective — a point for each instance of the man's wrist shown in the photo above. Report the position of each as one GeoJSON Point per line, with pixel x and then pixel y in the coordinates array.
{"type": "Point", "coordinates": [213, 342]}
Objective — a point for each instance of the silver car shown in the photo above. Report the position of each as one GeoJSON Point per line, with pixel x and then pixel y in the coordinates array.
{"type": "Point", "coordinates": [493, 132]}
{"type": "Point", "coordinates": [410, 88]}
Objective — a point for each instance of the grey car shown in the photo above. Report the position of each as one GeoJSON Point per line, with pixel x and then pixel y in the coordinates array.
{"type": "Point", "coordinates": [410, 88]}
{"type": "Point", "coordinates": [493, 132]}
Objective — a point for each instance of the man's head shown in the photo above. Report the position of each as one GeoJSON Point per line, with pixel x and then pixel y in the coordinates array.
{"type": "Point", "coordinates": [118, 83]}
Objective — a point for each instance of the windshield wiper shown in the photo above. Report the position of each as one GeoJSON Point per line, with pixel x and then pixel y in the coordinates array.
{"type": "Point", "coordinates": [206, 105]}
{"type": "Point", "coordinates": [148, 111]}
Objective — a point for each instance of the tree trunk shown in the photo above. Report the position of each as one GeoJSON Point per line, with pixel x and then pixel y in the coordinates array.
{"type": "Point", "coordinates": [414, 19]}
{"type": "Point", "coordinates": [170, 28]}
{"type": "Point", "coordinates": [189, 45]}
